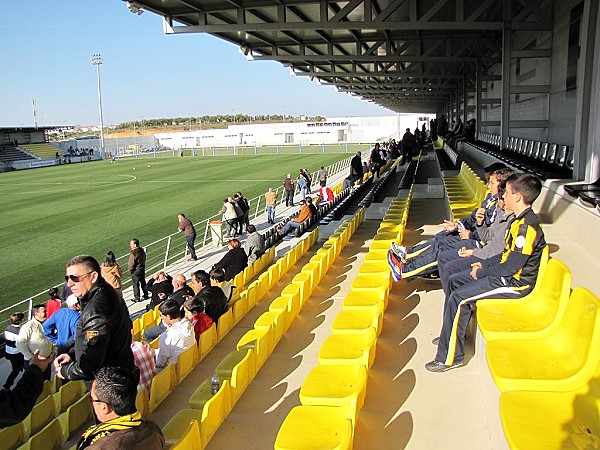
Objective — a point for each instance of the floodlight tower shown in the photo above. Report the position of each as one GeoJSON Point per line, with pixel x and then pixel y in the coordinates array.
{"type": "Point", "coordinates": [96, 61]}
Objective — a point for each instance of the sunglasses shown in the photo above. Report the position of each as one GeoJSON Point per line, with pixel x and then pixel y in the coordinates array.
{"type": "Point", "coordinates": [76, 278]}
{"type": "Point", "coordinates": [95, 401]}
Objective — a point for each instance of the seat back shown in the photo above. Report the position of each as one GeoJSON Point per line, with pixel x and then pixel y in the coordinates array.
{"type": "Point", "coordinates": [79, 414]}
{"type": "Point", "coordinates": [68, 394]}
{"type": "Point", "coordinates": [148, 320]}
{"type": "Point", "coordinates": [544, 151]}
{"type": "Point", "coordinates": [46, 391]}
{"type": "Point", "coordinates": [536, 150]}
{"type": "Point", "coordinates": [162, 385]}
{"type": "Point", "coordinates": [214, 412]}
{"type": "Point", "coordinates": [261, 340]}
{"type": "Point", "coordinates": [186, 363]}
{"type": "Point", "coordinates": [208, 339]}
{"type": "Point", "coordinates": [190, 439]}
{"type": "Point", "coordinates": [561, 157]}
{"type": "Point", "coordinates": [241, 376]}
{"type": "Point", "coordinates": [42, 414]}
{"type": "Point", "coordinates": [49, 438]}
{"type": "Point", "coordinates": [13, 436]}
{"type": "Point", "coordinates": [553, 294]}
{"type": "Point", "coordinates": [142, 402]}
{"type": "Point", "coordinates": [551, 156]}
{"type": "Point", "coordinates": [225, 324]}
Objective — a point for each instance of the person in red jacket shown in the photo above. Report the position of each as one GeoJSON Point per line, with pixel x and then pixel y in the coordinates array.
{"type": "Point", "coordinates": [53, 304]}
{"type": "Point", "coordinates": [194, 311]}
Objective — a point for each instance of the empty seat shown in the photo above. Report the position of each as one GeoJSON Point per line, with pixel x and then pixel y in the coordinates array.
{"type": "Point", "coordinates": [162, 385]}
{"type": "Point", "coordinates": [190, 439]}
{"type": "Point", "coordinates": [346, 349]}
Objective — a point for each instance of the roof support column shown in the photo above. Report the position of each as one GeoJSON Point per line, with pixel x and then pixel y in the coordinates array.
{"type": "Point", "coordinates": [506, 50]}
{"type": "Point", "coordinates": [465, 98]}
{"type": "Point", "coordinates": [478, 94]}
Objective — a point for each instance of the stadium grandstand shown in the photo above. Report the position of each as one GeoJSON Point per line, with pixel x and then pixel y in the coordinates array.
{"type": "Point", "coordinates": [322, 348]}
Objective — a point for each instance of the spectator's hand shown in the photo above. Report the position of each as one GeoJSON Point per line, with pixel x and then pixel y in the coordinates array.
{"type": "Point", "coordinates": [448, 225]}
{"type": "Point", "coordinates": [464, 234]}
{"type": "Point", "coordinates": [40, 361]}
{"type": "Point", "coordinates": [465, 252]}
{"type": "Point", "coordinates": [480, 215]}
{"type": "Point", "coordinates": [474, 268]}
{"type": "Point", "coordinates": [59, 361]}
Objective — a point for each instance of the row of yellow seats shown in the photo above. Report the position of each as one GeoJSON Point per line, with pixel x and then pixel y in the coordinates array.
{"type": "Point", "coordinates": [543, 352]}
{"type": "Point", "coordinates": [464, 191]}
{"type": "Point", "coordinates": [334, 391]}
{"type": "Point", "coordinates": [194, 427]}
{"type": "Point", "coordinates": [54, 418]}
{"type": "Point", "coordinates": [152, 318]}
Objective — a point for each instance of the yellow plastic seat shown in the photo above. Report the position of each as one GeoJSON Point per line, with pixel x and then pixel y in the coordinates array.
{"type": "Point", "coordinates": [226, 365]}
{"type": "Point", "coordinates": [176, 429]}
{"type": "Point", "coordinates": [261, 341]}
{"type": "Point", "coordinates": [241, 376]}
{"type": "Point", "coordinates": [239, 281]}
{"type": "Point", "coordinates": [562, 361]}
{"type": "Point", "coordinates": [13, 436]}
{"type": "Point", "coordinates": [137, 326]}
{"type": "Point", "coordinates": [225, 324]}
{"type": "Point", "coordinates": [292, 292]}
{"type": "Point", "coordinates": [46, 391]}
{"type": "Point", "coordinates": [68, 394]}
{"type": "Point", "coordinates": [326, 256]}
{"type": "Point", "coordinates": [318, 261]}
{"type": "Point", "coordinates": [162, 385]}
{"type": "Point", "coordinates": [49, 438]}
{"type": "Point", "coordinates": [190, 439]}
{"type": "Point", "coordinates": [201, 395]}
{"type": "Point", "coordinates": [377, 255]}
{"type": "Point", "coordinates": [369, 267]}
{"type": "Point", "coordinates": [78, 415]}
{"type": "Point", "coordinates": [343, 386]}
{"type": "Point", "coordinates": [534, 420]}
{"type": "Point", "coordinates": [283, 266]}
{"type": "Point", "coordinates": [351, 322]}
{"type": "Point", "coordinates": [284, 307]}
{"type": "Point", "coordinates": [274, 275]}
{"type": "Point", "coordinates": [304, 281]}
{"type": "Point", "coordinates": [347, 349]}
{"type": "Point", "coordinates": [362, 300]}
{"type": "Point", "coordinates": [147, 320]}
{"type": "Point", "coordinates": [249, 272]}
{"type": "Point", "coordinates": [535, 315]}
{"type": "Point", "coordinates": [252, 294]}
{"type": "Point", "coordinates": [314, 268]}
{"type": "Point", "coordinates": [208, 339]}
{"type": "Point", "coordinates": [240, 308]}
{"type": "Point", "coordinates": [186, 363]}
{"type": "Point", "coordinates": [142, 402]}
{"type": "Point", "coordinates": [315, 427]}
{"type": "Point", "coordinates": [215, 411]}
{"type": "Point", "coordinates": [377, 285]}
{"type": "Point", "coordinates": [41, 415]}
{"type": "Point", "coordinates": [274, 320]}
{"type": "Point", "coordinates": [263, 286]}
{"type": "Point", "coordinates": [155, 343]}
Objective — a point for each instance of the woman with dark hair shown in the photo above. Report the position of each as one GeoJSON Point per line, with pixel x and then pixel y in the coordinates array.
{"type": "Point", "coordinates": [111, 272]}
{"type": "Point", "coordinates": [53, 304]}
{"type": "Point", "coordinates": [234, 261]}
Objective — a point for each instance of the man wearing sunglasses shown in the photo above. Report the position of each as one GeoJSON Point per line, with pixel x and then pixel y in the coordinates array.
{"type": "Point", "coordinates": [104, 330]}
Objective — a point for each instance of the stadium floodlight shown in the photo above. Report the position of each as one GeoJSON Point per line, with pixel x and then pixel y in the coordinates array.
{"type": "Point", "coordinates": [96, 61]}
{"type": "Point", "coordinates": [135, 8]}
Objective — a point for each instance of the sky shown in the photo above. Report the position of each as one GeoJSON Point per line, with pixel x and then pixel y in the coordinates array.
{"type": "Point", "coordinates": [47, 47]}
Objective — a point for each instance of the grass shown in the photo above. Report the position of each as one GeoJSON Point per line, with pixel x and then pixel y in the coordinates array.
{"type": "Point", "coordinates": [51, 214]}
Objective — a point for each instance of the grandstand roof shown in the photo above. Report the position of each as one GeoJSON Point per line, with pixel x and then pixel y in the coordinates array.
{"type": "Point", "coordinates": [403, 55]}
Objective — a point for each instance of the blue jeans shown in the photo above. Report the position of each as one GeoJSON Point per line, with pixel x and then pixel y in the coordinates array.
{"type": "Point", "coordinates": [271, 214]}
{"type": "Point", "coordinates": [288, 226]}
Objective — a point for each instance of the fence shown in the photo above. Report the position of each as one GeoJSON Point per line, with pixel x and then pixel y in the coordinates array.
{"type": "Point", "coordinates": [164, 251]}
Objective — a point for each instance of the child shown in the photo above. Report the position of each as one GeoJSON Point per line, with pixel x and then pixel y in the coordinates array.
{"type": "Point", "coordinates": [194, 312]}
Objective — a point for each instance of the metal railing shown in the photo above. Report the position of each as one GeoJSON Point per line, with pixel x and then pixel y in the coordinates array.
{"type": "Point", "coordinates": [164, 251]}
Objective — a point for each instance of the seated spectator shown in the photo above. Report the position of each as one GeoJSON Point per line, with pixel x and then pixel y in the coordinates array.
{"type": "Point", "coordinates": [15, 405]}
{"type": "Point", "coordinates": [312, 207]}
{"type": "Point", "coordinates": [144, 360]}
{"type": "Point", "coordinates": [325, 193]}
{"type": "Point", "coordinates": [178, 337]}
{"type": "Point", "coordinates": [181, 291]}
{"type": "Point", "coordinates": [111, 272]}
{"type": "Point", "coordinates": [305, 214]}
{"type": "Point", "coordinates": [11, 352]}
{"type": "Point", "coordinates": [53, 304]}
{"type": "Point", "coordinates": [254, 245]}
{"type": "Point", "coordinates": [60, 329]}
{"type": "Point", "coordinates": [194, 312]}
{"type": "Point", "coordinates": [217, 278]}
{"type": "Point", "coordinates": [120, 425]}
{"type": "Point", "coordinates": [160, 286]}
{"type": "Point", "coordinates": [234, 261]}
{"type": "Point", "coordinates": [31, 338]}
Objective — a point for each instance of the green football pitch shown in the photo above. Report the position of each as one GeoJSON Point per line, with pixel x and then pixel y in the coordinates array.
{"type": "Point", "coordinates": [51, 214]}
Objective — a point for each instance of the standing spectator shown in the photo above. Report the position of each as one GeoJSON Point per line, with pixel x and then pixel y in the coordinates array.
{"type": "Point", "coordinates": [270, 200]}
{"type": "Point", "coordinates": [137, 268]}
{"type": "Point", "coordinates": [161, 286]}
{"type": "Point", "coordinates": [229, 217]}
{"type": "Point", "coordinates": [442, 126]}
{"type": "Point", "coordinates": [12, 353]}
{"type": "Point", "coordinates": [15, 405]}
{"type": "Point", "coordinates": [408, 144]}
{"type": "Point", "coordinates": [302, 185]}
{"type": "Point", "coordinates": [111, 272]}
{"type": "Point", "coordinates": [254, 245]}
{"type": "Point", "coordinates": [189, 231]}
{"type": "Point", "coordinates": [375, 160]}
{"type": "Point", "coordinates": [194, 312]}
{"type": "Point", "coordinates": [288, 186]}
{"type": "Point", "coordinates": [179, 335]}
{"type": "Point", "coordinates": [356, 168]}
{"type": "Point", "coordinates": [31, 338]}
{"type": "Point", "coordinates": [322, 175]}
{"type": "Point", "coordinates": [234, 261]}
{"type": "Point", "coordinates": [60, 329]}
{"type": "Point", "coordinates": [103, 333]}
{"type": "Point", "coordinates": [120, 425]}
{"type": "Point", "coordinates": [53, 304]}
{"type": "Point", "coordinates": [239, 215]}
{"type": "Point", "coordinates": [306, 175]}
{"type": "Point", "coordinates": [245, 207]}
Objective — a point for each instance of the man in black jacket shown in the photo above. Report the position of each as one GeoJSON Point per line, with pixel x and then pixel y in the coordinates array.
{"type": "Point", "coordinates": [103, 335]}
{"type": "Point", "coordinates": [161, 286]}
{"type": "Point", "coordinates": [136, 263]}
{"type": "Point", "coordinates": [356, 168]}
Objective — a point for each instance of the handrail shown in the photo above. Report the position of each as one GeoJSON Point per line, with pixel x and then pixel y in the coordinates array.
{"type": "Point", "coordinates": [172, 249]}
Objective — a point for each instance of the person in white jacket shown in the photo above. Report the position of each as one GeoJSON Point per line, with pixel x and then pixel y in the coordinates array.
{"type": "Point", "coordinates": [31, 338]}
{"type": "Point", "coordinates": [179, 335]}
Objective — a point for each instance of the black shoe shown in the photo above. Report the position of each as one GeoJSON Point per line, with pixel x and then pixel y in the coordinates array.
{"type": "Point", "coordinates": [438, 367]}
{"type": "Point", "coordinates": [435, 341]}
{"type": "Point", "coordinates": [432, 276]}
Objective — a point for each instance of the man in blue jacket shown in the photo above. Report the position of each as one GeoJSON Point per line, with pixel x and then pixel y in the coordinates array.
{"type": "Point", "coordinates": [61, 327]}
